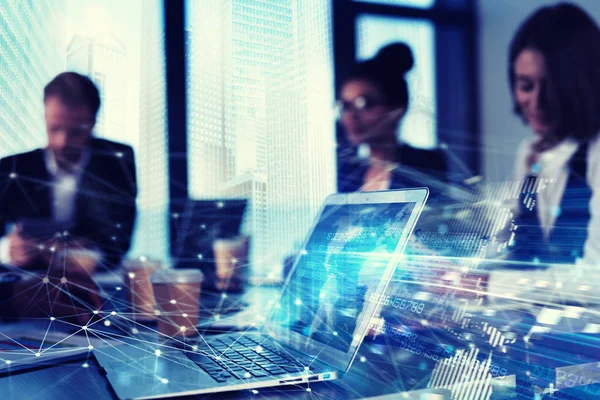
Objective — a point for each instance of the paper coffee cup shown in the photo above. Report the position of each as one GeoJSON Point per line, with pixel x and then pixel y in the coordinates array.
{"type": "Point", "coordinates": [80, 260]}
{"type": "Point", "coordinates": [140, 294]}
{"type": "Point", "coordinates": [177, 295]}
{"type": "Point", "coordinates": [231, 263]}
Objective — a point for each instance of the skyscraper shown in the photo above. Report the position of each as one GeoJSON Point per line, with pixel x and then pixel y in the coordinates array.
{"type": "Point", "coordinates": [209, 155]}
{"type": "Point", "coordinates": [28, 63]}
{"type": "Point", "coordinates": [261, 98]}
{"type": "Point", "coordinates": [152, 231]}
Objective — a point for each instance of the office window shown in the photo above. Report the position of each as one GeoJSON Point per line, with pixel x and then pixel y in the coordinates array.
{"type": "Point", "coordinates": [407, 3]}
{"type": "Point", "coordinates": [117, 44]}
{"type": "Point", "coordinates": [418, 127]}
{"type": "Point", "coordinates": [260, 121]}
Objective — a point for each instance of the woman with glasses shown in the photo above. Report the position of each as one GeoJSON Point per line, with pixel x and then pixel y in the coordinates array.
{"type": "Point", "coordinates": [372, 102]}
{"type": "Point", "coordinates": [554, 73]}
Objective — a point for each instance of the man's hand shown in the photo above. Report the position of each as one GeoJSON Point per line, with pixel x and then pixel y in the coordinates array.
{"type": "Point", "coordinates": [22, 250]}
{"type": "Point", "coordinates": [71, 254]}
{"type": "Point", "coordinates": [73, 297]}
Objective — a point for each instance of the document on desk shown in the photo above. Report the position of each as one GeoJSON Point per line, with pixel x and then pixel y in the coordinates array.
{"type": "Point", "coordinates": [32, 348]}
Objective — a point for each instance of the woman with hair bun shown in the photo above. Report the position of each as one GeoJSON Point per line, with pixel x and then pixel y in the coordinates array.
{"type": "Point", "coordinates": [372, 102]}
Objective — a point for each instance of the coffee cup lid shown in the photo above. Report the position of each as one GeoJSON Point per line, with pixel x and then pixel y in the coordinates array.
{"type": "Point", "coordinates": [168, 275]}
{"type": "Point", "coordinates": [141, 263]}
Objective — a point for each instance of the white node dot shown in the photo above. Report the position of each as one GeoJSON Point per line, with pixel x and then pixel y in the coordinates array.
{"type": "Point", "coordinates": [113, 238]}
{"type": "Point", "coordinates": [85, 365]}
{"type": "Point", "coordinates": [131, 275]}
{"type": "Point", "coordinates": [37, 354]}
{"type": "Point", "coordinates": [220, 204]}
{"type": "Point", "coordinates": [200, 256]}
{"type": "Point", "coordinates": [8, 362]}
{"type": "Point", "coordinates": [119, 154]}
{"type": "Point", "coordinates": [12, 175]}
{"type": "Point", "coordinates": [217, 317]}
{"type": "Point", "coordinates": [363, 359]}
{"type": "Point", "coordinates": [247, 375]}
{"type": "Point", "coordinates": [53, 249]}
{"type": "Point", "coordinates": [156, 312]}
{"type": "Point", "coordinates": [184, 315]}
{"type": "Point", "coordinates": [173, 301]}
{"type": "Point", "coordinates": [96, 312]}
{"type": "Point", "coordinates": [223, 295]}
{"type": "Point", "coordinates": [334, 333]}
{"type": "Point", "coordinates": [165, 381]}
{"type": "Point", "coordinates": [90, 347]}
{"type": "Point", "coordinates": [52, 318]}
{"type": "Point", "coordinates": [182, 328]}
{"type": "Point", "coordinates": [298, 302]}
{"type": "Point", "coordinates": [63, 280]}
{"type": "Point", "coordinates": [143, 259]}
{"type": "Point", "coordinates": [309, 390]}
{"type": "Point", "coordinates": [106, 323]}
{"type": "Point", "coordinates": [304, 252]}
{"type": "Point", "coordinates": [113, 313]}
{"type": "Point", "coordinates": [118, 288]}
{"type": "Point", "coordinates": [259, 349]}
{"type": "Point", "coordinates": [218, 357]}
{"type": "Point", "coordinates": [254, 391]}
{"type": "Point", "coordinates": [84, 327]}
{"type": "Point", "coordinates": [157, 353]}
{"type": "Point", "coordinates": [234, 260]}
{"type": "Point", "coordinates": [195, 348]}
{"type": "Point", "coordinates": [306, 368]}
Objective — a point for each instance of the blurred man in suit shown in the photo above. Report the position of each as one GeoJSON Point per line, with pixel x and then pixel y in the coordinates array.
{"type": "Point", "coordinates": [82, 189]}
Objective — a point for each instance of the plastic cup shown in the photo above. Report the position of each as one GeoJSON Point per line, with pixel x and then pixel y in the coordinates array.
{"type": "Point", "coordinates": [177, 295]}
{"type": "Point", "coordinates": [231, 263]}
{"type": "Point", "coordinates": [140, 294]}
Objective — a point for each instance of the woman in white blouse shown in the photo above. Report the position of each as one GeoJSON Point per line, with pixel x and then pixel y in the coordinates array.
{"type": "Point", "coordinates": [554, 71]}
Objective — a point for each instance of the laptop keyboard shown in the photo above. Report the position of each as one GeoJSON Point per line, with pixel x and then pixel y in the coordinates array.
{"type": "Point", "coordinates": [243, 358]}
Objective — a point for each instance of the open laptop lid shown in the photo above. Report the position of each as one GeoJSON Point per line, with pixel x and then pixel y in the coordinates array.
{"type": "Point", "coordinates": [346, 263]}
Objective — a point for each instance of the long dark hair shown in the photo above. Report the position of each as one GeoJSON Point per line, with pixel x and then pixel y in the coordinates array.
{"type": "Point", "coordinates": [386, 72]}
{"type": "Point", "coordinates": [569, 40]}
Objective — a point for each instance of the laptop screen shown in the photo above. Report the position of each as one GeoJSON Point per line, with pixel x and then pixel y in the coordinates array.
{"type": "Point", "coordinates": [339, 273]}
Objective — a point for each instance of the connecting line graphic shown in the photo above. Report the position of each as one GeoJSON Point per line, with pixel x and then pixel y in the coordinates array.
{"type": "Point", "coordinates": [17, 343]}
{"type": "Point", "coordinates": [45, 335]}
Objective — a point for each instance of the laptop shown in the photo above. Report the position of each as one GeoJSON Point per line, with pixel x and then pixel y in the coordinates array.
{"type": "Point", "coordinates": [310, 333]}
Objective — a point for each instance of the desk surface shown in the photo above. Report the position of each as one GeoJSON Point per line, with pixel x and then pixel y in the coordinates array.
{"type": "Point", "coordinates": [386, 364]}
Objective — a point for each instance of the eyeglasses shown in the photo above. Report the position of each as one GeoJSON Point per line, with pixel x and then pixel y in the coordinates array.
{"type": "Point", "coordinates": [360, 103]}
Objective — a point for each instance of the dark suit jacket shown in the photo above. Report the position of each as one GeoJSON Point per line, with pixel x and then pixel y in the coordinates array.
{"type": "Point", "coordinates": [105, 204]}
{"type": "Point", "coordinates": [418, 167]}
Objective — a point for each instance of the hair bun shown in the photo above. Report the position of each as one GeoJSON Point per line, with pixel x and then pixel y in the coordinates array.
{"type": "Point", "coordinates": [397, 56]}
